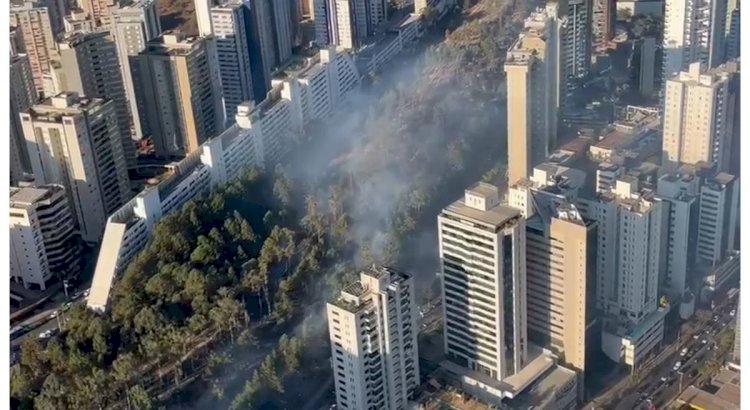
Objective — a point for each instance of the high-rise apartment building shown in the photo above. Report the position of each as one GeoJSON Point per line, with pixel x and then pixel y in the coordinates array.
{"type": "Point", "coordinates": [89, 66]}
{"type": "Point", "coordinates": [181, 92]}
{"type": "Point", "coordinates": [632, 232]}
{"type": "Point", "coordinates": [560, 262]}
{"type": "Point", "coordinates": [22, 96]}
{"type": "Point", "coordinates": [576, 40]}
{"type": "Point", "coordinates": [98, 10]}
{"type": "Point", "coordinates": [680, 190]}
{"type": "Point", "coordinates": [483, 266]}
{"type": "Point", "coordinates": [732, 30]}
{"type": "Point", "coordinates": [284, 28]}
{"type": "Point", "coordinates": [347, 23]}
{"type": "Point", "coordinates": [132, 27]}
{"type": "Point", "coordinates": [373, 329]}
{"type": "Point", "coordinates": [16, 41]}
{"type": "Point", "coordinates": [43, 242]}
{"type": "Point", "coordinates": [35, 26]}
{"type": "Point", "coordinates": [696, 111]}
{"type": "Point", "coordinates": [203, 15]}
{"type": "Point", "coordinates": [76, 142]}
{"type": "Point", "coordinates": [693, 32]}
{"type": "Point", "coordinates": [532, 69]}
{"type": "Point", "coordinates": [717, 221]}
{"type": "Point", "coordinates": [238, 49]}
{"type": "Point", "coordinates": [604, 13]}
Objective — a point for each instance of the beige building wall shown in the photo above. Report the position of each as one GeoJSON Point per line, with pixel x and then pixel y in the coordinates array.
{"type": "Point", "coordinates": [696, 117]}
{"type": "Point", "coordinates": [519, 139]}
{"type": "Point", "coordinates": [38, 39]}
{"type": "Point", "coordinates": [558, 272]}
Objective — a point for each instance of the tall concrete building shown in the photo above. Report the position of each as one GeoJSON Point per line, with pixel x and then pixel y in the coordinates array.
{"type": "Point", "coordinates": [284, 29]}
{"type": "Point", "coordinates": [35, 26]}
{"type": "Point", "coordinates": [348, 23]}
{"type": "Point", "coordinates": [203, 16]}
{"type": "Point", "coordinates": [483, 266]}
{"type": "Point", "coordinates": [98, 10]}
{"type": "Point", "coordinates": [373, 329]}
{"type": "Point", "coordinates": [576, 38]}
{"type": "Point", "coordinates": [244, 76]}
{"type": "Point", "coordinates": [182, 92]}
{"type": "Point", "coordinates": [693, 32]}
{"type": "Point", "coordinates": [632, 231]}
{"type": "Point", "coordinates": [132, 27]}
{"type": "Point", "coordinates": [560, 262]}
{"type": "Point", "coordinates": [696, 117]}
{"type": "Point", "coordinates": [89, 66]}
{"type": "Point", "coordinates": [533, 81]}
{"type": "Point", "coordinates": [76, 142]}
{"type": "Point", "coordinates": [717, 222]}
{"type": "Point", "coordinates": [681, 191]}
{"type": "Point", "coordinates": [603, 28]}
{"type": "Point", "coordinates": [43, 243]}
{"type": "Point", "coordinates": [732, 30]}
{"type": "Point", "coordinates": [22, 96]}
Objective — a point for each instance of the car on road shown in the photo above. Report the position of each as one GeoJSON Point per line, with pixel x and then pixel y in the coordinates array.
{"type": "Point", "coordinates": [704, 341]}
{"type": "Point", "coordinates": [86, 292]}
{"type": "Point", "coordinates": [684, 351]}
{"type": "Point", "coordinates": [677, 366]}
{"type": "Point", "coordinates": [52, 315]}
{"type": "Point", "coordinates": [663, 379]}
{"type": "Point", "coordinates": [732, 313]}
{"type": "Point", "coordinates": [46, 334]}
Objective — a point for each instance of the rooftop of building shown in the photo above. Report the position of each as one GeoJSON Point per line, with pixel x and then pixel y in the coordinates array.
{"type": "Point", "coordinates": [172, 43]}
{"type": "Point", "coordinates": [298, 66]}
{"type": "Point", "coordinates": [65, 103]}
{"type": "Point", "coordinates": [495, 216]}
{"type": "Point", "coordinates": [544, 392]}
{"type": "Point", "coordinates": [26, 196]}
{"type": "Point", "coordinates": [722, 394]}
{"type": "Point", "coordinates": [75, 38]}
{"type": "Point", "coordinates": [623, 327]}
{"type": "Point", "coordinates": [349, 297]}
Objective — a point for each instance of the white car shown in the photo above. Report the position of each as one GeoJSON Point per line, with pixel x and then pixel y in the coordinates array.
{"type": "Point", "coordinates": [677, 366]}
{"type": "Point", "coordinates": [704, 341]}
{"type": "Point", "coordinates": [684, 351]}
{"type": "Point", "coordinates": [53, 314]}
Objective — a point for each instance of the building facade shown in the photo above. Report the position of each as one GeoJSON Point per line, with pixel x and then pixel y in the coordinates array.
{"type": "Point", "coordinates": [38, 37]}
{"type": "Point", "coordinates": [483, 268]}
{"type": "Point", "coordinates": [22, 96]}
{"type": "Point", "coordinates": [717, 221]}
{"type": "Point", "coordinates": [604, 14]}
{"type": "Point", "coordinates": [373, 328]}
{"type": "Point", "coordinates": [532, 69]}
{"type": "Point", "coordinates": [132, 27]}
{"type": "Point", "coordinates": [43, 242]}
{"type": "Point", "coordinates": [76, 142]}
{"type": "Point", "coordinates": [238, 50]}
{"type": "Point", "coordinates": [696, 117]}
{"type": "Point", "coordinates": [182, 92]}
{"type": "Point", "coordinates": [89, 65]}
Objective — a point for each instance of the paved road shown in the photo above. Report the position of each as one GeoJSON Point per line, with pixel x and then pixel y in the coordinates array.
{"type": "Point", "coordinates": [662, 385]}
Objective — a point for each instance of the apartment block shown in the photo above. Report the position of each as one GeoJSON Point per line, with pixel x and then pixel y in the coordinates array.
{"type": "Point", "coordinates": [238, 49]}
{"type": "Point", "coordinates": [76, 142]}
{"type": "Point", "coordinates": [319, 86]}
{"type": "Point", "coordinates": [693, 32]}
{"type": "Point", "coordinates": [483, 265]}
{"type": "Point", "coordinates": [22, 96]}
{"type": "Point", "coordinates": [260, 137]}
{"type": "Point", "coordinates": [532, 69]}
{"type": "Point", "coordinates": [182, 92]}
{"type": "Point", "coordinates": [38, 36]}
{"type": "Point", "coordinates": [99, 10]}
{"type": "Point", "coordinates": [696, 117]}
{"type": "Point", "coordinates": [132, 27]}
{"type": "Point", "coordinates": [372, 325]}
{"type": "Point", "coordinates": [603, 21]}
{"type": "Point", "coordinates": [560, 262]}
{"type": "Point", "coordinates": [89, 65]}
{"type": "Point", "coordinates": [348, 23]}
{"type": "Point", "coordinates": [44, 245]}
{"type": "Point", "coordinates": [576, 39]}
{"type": "Point", "coordinates": [283, 30]}
{"type": "Point", "coordinates": [717, 221]}
{"type": "Point", "coordinates": [680, 190]}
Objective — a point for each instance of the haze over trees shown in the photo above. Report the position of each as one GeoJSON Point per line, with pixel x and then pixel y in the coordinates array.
{"type": "Point", "coordinates": [254, 257]}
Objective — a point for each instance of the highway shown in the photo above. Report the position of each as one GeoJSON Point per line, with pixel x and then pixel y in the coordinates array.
{"type": "Point", "coordinates": [663, 384]}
